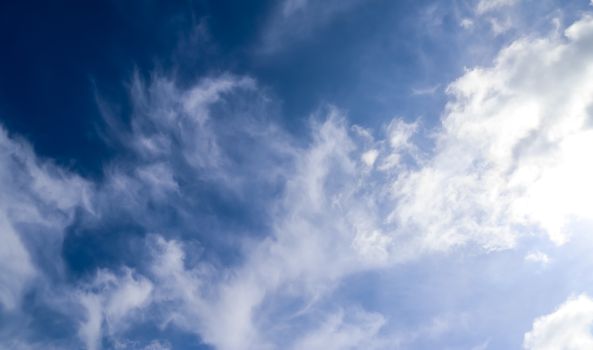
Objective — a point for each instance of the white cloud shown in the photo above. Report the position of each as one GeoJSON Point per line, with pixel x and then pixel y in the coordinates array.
{"type": "Point", "coordinates": [17, 268]}
{"type": "Point", "coordinates": [485, 6]}
{"type": "Point", "coordinates": [167, 119]}
{"type": "Point", "coordinates": [466, 23]}
{"type": "Point", "coordinates": [500, 25]}
{"type": "Point", "coordinates": [322, 231]}
{"type": "Point", "coordinates": [567, 328]}
{"type": "Point", "coordinates": [369, 157]}
{"type": "Point", "coordinates": [37, 203]}
{"type": "Point", "coordinates": [537, 257]}
{"type": "Point", "coordinates": [109, 301]}
{"type": "Point", "coordinates": [90, 330]}
{"type": "Point", "coordinates": [399, 144]}
{"type": "Point", "coordinates": [511, 155]}
{"type": "Point", "coordinates": [499, 15]}
{"type": "Point", "coordinates": [357, 330]}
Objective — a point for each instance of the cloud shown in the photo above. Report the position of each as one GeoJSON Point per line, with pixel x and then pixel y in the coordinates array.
{"type": "Point", "coordinates": [321, 232]}
{"type": "Point", "coordinates": [17, 268]}
{"type": "Point", "coordinates": [296, 20]}
{"type": "Point", "coordinates": [485, 6]}
{"type": "Point", "coordinates": [500, 16]}
{"type": "Point", "coordinates": [511, 155]}
{"type": "Point", "coordinates": [431, 90]}
{"type": "Point", "coordinates": [466, 23]}
{"type": "Point", "coordinates": [369, 157]}
{"type": "Point", "coordinates": [336, 332]}
{"type": "Point", "coordinates": [110, 300]}
{"type": "Point", "coordinates": [157, 345]}
{"type": "Point", "coordinates": [38, 201]}
{"type": "Point", "coordinates": [538, 257]}
{"type": "Point", "coordinates": [569, 327]}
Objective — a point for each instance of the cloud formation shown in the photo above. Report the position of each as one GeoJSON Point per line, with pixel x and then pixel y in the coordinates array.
{"type": "Point", "coordinates": [510, 158]}
{"type": "Point", "coordinates": [509, 161]}
{"type": "Point", "coordinates": [485, 6]}
{"type": "Point", "coordinates": [38, 202]}
{"type": "Point", "coordinates": [569, 327]}
{"type": "Point", "coordinates": [510, 139]}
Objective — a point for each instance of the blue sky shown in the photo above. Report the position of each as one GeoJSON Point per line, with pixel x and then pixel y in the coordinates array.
{"type": "Point", "coordinates": [297, 174]}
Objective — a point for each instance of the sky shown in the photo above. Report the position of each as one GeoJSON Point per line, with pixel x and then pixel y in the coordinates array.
{"type": "Point", "coordinates": [296, 174]}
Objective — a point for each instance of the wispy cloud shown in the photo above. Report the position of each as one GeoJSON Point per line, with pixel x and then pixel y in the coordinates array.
{"type": "Point", "coordinates": [293, 21]}
{"type": "Point", "coordinates": [485, 6]}
{"type": "Point", "coordinates": [108, 302]}
{"type": "Point", "coordinates": [429, 90]}
{"type": "Point", "coordinates": [38, 202]}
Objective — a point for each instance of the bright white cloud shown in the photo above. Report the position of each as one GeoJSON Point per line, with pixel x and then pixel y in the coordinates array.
{"type": "Point", "coordinates": [567, 328]}
{"type": "Point", "coordinates": [369, 157]}
{"type": "Point", "coordinates": [512, 153]}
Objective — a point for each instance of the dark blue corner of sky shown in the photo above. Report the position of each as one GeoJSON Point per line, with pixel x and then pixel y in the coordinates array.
{"type": "Point", "coordinates": [58, 57]}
